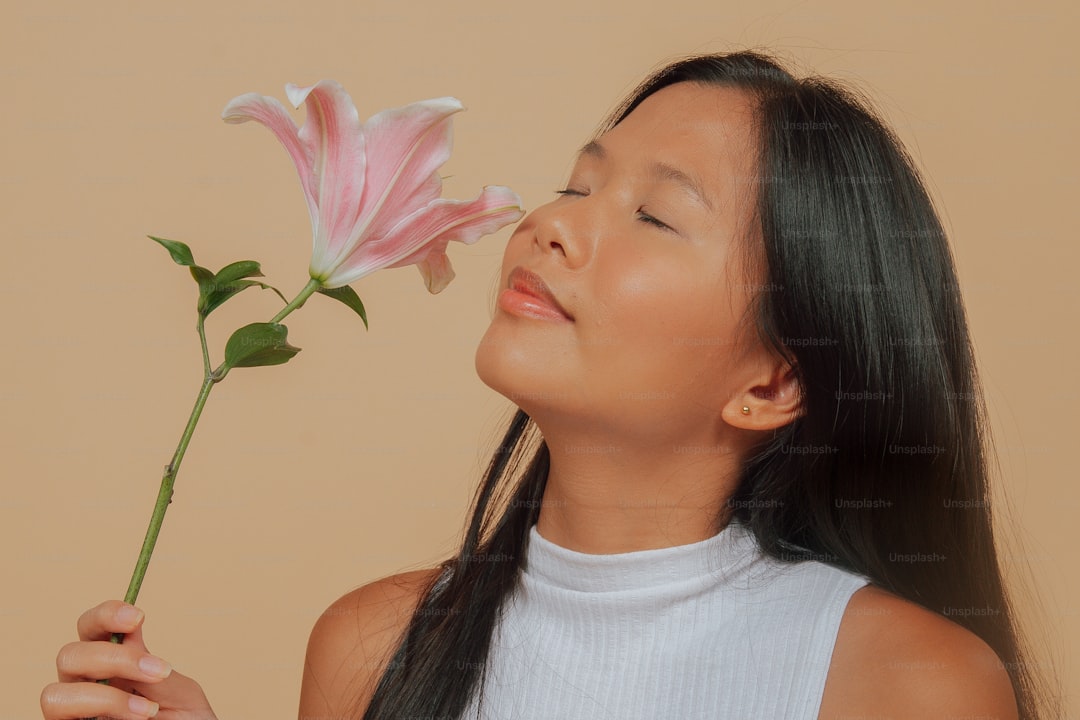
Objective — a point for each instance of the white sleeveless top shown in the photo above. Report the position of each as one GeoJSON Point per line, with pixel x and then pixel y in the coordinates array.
{"type": "Point", "coordinates": [712, 630]}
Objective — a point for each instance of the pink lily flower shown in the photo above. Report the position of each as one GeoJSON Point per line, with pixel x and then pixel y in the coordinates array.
{"type": "Point", "coordinates": [372, 188]}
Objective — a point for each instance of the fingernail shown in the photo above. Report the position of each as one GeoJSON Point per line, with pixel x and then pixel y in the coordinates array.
{"type": "Point", "coordinates": [129, 615]}
{"type": "Point", "coordinates": [142, 706]}
{"type": "Point", "coordinates": [154, 666]}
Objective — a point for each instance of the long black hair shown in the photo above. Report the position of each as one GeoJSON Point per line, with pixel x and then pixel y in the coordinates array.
{"type": "Point", "coordinates": [885, 471]}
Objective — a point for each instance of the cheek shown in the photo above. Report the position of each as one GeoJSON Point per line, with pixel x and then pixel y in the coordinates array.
{"type": "Point", "coordinates": [661, 324]}
{"type": "Point", "coordinates": [660, 300]}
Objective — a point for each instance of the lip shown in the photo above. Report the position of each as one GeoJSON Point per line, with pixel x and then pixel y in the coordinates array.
{"type": "Point", "coordinates": [523, 282]}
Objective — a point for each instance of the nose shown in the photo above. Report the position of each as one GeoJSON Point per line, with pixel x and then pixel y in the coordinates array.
{"type": "Point", "coordinates": [568, 228]}
{"type": "Point", "coordinates": [565, 229]}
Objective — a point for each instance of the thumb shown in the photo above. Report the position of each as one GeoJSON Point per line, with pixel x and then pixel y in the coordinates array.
{"type": "Point", "coordinates": [176, 691]}
{"type": "Point", "coordinates": [177, 695]}
{"type": "Point", "coordinates": [135, 643]}
{"type": "Point", "coordinates": [135, 638]}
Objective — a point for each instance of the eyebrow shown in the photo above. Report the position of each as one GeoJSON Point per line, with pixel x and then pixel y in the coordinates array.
{"type": "Point", "coordinates": [657, 171]}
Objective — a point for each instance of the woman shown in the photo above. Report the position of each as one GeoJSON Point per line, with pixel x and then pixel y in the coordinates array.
{"type": "Point", "coordinates": [756, 482]}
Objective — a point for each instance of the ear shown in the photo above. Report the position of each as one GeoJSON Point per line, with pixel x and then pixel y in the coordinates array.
{"type": "Point", "coordinates": [773, 398]}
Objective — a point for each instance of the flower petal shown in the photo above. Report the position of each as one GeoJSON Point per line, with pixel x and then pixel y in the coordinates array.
{"type": "Point", "coordinates": [270, 112]}
{"type": "Point", "coordinates": [436, 271]}
{"type": "Point", "coordinates": [429, 230]}
{"type": "Point", "coordinates": [405, 146]}
{"type": "Point", "coordinates": [332, 129]}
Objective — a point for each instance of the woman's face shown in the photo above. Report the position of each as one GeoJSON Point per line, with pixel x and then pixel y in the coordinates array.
{"type": "Point", "coordinates": [649, 351]}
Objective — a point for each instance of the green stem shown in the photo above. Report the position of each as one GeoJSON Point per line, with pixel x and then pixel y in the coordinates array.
{"type": "Point", "coordinates": [202, 341]}
{"type": "Point", "coordinates": [299, 300]}
{"type": "Point", "coordinates": [165, 492]}
{"type": "Point", "coordinates": [164, 497]}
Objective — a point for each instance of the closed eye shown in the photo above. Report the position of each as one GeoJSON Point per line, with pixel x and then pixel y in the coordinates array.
{"type": "Point", "coordinates": [645, 217]}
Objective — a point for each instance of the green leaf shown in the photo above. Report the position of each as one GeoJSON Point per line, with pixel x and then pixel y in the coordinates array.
{"type": "Point", "coordinates": [226, 283]}
{"type": "Point", "coordinates": [202, 276]}
{"type": "Point", "coordinates": [237, 270]}
{"type": "Point", "coordinates": [348, 296]}
{"type": "Point", "coordinates": [220, 293]}
{"type": "Point", "coordinates": [259, 344]}
{"type": "Point", "coordinates": [180, 252]}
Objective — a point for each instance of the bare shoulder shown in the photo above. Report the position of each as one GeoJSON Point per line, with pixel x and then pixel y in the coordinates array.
{"type": "Point", "coordinates": [894, 658]}
{"type": "Point", "coordinates": [354, 639]}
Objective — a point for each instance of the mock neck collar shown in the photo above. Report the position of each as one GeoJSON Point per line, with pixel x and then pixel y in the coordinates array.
{"type": "Point", "coordinates": [733, 548]}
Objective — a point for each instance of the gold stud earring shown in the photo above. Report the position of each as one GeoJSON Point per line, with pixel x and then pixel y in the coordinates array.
{"type": "Point", "coordinates": [745, 410]}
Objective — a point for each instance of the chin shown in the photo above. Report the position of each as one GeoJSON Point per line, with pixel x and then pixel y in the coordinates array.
{"type": "Point", "coordinates": [501, 366]}
{"type": "Point", "coordinates": [517, 373]}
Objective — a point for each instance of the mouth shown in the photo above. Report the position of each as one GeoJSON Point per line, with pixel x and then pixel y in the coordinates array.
{"type": "Point", "coordinates": [531, 284]}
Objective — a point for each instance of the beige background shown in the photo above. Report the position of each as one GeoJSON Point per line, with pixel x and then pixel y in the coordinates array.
{"type": "Point", "coordinates": [358, 458]}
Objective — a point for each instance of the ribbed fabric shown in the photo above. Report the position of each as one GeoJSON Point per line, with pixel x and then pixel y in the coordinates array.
{"type": "Point", "coordinates": [714, 629]}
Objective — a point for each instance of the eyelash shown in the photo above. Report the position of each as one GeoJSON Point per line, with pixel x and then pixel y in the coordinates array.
{"type": "Point", "coordinates": [644, 216]}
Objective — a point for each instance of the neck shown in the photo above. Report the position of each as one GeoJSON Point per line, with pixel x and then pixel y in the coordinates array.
{"type": "Point", "coordinates": [605, 497]}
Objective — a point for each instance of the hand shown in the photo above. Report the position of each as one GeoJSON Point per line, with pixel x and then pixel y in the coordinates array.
{"type": "Point", "coordinates": [79, 665]}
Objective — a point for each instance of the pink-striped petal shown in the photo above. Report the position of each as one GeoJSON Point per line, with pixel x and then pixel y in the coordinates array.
{"type": "Point", "coordinates": [332, 129]}
{"type": "Point", "coordinates": [271, 113]}
{"type": "Point", "coordinates": [373, 188]}
{"type": "Point", "coordinates": [465, 221]}
{"type": "Point", "coordinates": [436, 271]}
{"type": "Point", "coordinates": [391, 214]}
{"type": "Point", "coordinates": [405, 147]}
{"type": "Point", "coordinates": [427, 231]}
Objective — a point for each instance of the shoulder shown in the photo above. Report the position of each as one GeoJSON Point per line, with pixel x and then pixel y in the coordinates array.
{"type": "Point", "coordinates": [895, 658]}
{"type": "Point", "coordinates": [353, 640]}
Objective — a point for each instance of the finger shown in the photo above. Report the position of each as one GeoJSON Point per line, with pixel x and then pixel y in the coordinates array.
{"type": "Point", "coordinates": [100, 659]}
{"type": "Point", "coordinates": [134, 639]}
{"type": "Point", "coordinates": [70, 701]}
{"type": "Point", "coordinates": [101, 621]}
